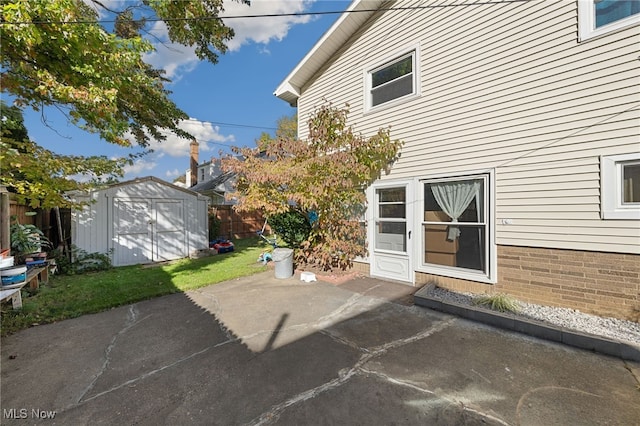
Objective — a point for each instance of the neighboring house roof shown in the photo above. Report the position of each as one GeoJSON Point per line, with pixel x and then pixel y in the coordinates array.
{"type": "Point", "coordinates": [213, 184]}
{"type": "Point", "coordinates": [358, 12]}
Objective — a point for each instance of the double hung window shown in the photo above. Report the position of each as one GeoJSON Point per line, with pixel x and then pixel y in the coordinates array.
{"type": "Point", "coordinates": [393, 80]}
{"type": "Point", "coordinates": [456, 227]}
{"type": "Point", "coordinates": [597, 17]}
{"type": "Point", "coordinates": [620, 186]}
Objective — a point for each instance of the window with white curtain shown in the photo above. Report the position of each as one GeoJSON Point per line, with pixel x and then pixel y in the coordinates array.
{"type": "Point", "coordinates": [456, 226]}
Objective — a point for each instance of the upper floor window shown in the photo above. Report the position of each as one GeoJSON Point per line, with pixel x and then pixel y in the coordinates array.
{"type": "Point", "coordinates": [597, 17]}
{"type": "Point", "coordinates": [620, 186]}
{"type": "Point", "coordinates": [392, 80]}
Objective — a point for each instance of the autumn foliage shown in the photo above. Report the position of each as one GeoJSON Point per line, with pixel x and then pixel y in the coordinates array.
{"type": "Point", "coordinates": [323, 177]}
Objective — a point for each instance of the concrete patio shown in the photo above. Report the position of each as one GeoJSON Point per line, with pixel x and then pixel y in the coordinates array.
{"type": "Point", "coordinates": [261, 350]}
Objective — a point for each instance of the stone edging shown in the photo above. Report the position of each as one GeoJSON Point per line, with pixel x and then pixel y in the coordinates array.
{"type": "Point", "coordinates": [530, 327]}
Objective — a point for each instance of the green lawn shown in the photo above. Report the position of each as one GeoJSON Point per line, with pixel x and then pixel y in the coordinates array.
{"type": "Point", "coordinates": [71, 296]}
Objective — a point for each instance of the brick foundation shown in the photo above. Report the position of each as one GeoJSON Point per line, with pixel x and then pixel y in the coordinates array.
{"type": "Point", "coordinates": [361, 268]}
{"type": "Point", "coordinates": [605, 284]}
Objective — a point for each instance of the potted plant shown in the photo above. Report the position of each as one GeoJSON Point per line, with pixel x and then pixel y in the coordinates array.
{"type": "Point", "coordinates": [27, 239]}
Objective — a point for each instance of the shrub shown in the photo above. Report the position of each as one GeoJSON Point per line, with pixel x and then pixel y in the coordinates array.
{"type": "Point", "coordinates": [292, 227]}
{"type": "Point", "coordinates": [214, 226]}
{"type": "Point", "coordinates": [80, 261]}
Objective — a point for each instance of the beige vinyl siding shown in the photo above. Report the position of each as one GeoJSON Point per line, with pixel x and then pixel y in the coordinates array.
{"type": "Point", "coordinates": [505, 87]}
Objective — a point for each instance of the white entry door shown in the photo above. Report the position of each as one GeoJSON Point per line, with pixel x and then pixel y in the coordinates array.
{"type": "Point", "coordinates": [390, 238]}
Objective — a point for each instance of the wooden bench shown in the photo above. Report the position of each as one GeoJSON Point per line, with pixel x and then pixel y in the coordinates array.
{"type": "Point", "coordinates": [15, 294]}
{"type": "Point", "coordinates": [37, 275]}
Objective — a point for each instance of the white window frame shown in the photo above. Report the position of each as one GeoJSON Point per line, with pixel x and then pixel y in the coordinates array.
{"type": "Point", "coordinates": [587, 21]}
{"type": "Point", "coordinates": [611, 205]}
{"type": "Point", "coordinates": [414, 51]}
{"type": "Point", "coordinates": [491, 276]}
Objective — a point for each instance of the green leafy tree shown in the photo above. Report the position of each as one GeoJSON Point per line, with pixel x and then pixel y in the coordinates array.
{"type": "Point", "coordinates": [323, 177]}
{"type": "Point", "coordinates": [56, 53]}
{"type": "Point", "coordinates": [40, 177]}
{"type": "Point", "coordinates": [287, 128]}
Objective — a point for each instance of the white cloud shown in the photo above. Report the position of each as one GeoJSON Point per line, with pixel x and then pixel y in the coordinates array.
{"type": "Point", "coordinates": [263, 30]}
{"type": "Point", "coordinates": [139, 168]}
{"type": "Point", "coordinates": [205, 133]}
{"type": "Point", "coordinates": [173, 173]}
{"type": "Point", "coordinates": [178, 60]}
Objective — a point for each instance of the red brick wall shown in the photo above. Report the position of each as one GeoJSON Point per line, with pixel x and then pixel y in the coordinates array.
{"type": "Point", "coordinates": [606, 284]}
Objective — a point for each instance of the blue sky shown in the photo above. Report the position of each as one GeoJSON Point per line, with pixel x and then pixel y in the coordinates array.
{"type": "Point", "coordinates": [230, 103]}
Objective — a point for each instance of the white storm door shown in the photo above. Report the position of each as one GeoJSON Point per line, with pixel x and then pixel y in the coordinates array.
{"type": "Point", "coordinates": [132, 232]}
{"type": "Point", "coordinates": [169, 230]}
{"type": "Point", "coordinates": [391, 245]}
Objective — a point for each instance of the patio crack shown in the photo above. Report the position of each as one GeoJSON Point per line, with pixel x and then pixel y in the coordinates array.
{"type": "Point", "coordinates": [157, 370]}
{"type": "Point", "coordinates": [131, 320]}
{"type": "Point", "coordinates": [413, 386]}
{"type": "Point", "coordinates": [346, 308]}
{"type": "Point", "coordinates": [346, 374]}
{"type": "Point", "coordinates": [319, 325]}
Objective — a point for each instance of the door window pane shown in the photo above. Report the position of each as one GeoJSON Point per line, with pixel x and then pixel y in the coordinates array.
{"type": "Point", "coordinates": [391, 195]}
{"type": "Point", "coordinates": [391, 226]}
{"type": "Point", "coordinates": [391, 236]}
{"type": "Point", "coordinates": [391, 203]}
{"type": "Point", "coordinates": [392, 210]}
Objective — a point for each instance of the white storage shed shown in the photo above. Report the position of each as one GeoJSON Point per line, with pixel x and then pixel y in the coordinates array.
{"type": "Point", "coordinates": [141, 221]}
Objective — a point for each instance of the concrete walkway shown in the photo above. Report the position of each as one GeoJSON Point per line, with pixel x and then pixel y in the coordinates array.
{"type": "Point", "coordinates": [259, 350]}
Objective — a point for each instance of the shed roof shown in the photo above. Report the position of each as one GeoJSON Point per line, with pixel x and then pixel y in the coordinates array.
{"type": "Point", "coordinates": [358, 12]}
{"type": "Point", "coordinates": [151, 179]}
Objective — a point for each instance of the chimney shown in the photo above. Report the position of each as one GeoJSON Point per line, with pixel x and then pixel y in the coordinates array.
{"type": "Point", "coordinates": [194, 161]}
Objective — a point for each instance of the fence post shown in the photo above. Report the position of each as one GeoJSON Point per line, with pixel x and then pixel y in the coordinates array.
{"type": "Point", "coordinates": [5, 218]}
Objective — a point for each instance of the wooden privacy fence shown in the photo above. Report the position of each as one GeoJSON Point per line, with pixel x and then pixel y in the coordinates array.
{"type": "Point", "coordinates": [43, 219]}
{"type": "Point", "coordinates": [9, 208]}
{"type": "Point", "coordinates": [237, 225]}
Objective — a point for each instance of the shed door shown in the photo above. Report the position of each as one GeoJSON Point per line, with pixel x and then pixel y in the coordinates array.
{"type": "Point", "coordinates": [132, 232]}
{"type": "Point", "coordinates": [168, 230]}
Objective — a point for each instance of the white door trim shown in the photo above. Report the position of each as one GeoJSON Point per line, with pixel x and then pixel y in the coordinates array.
{"type": "Point", "coordinates": [387, 263]}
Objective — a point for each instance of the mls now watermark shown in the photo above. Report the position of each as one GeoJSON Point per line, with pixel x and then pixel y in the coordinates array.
{"type": "Point", "coordinates": [23, 413]}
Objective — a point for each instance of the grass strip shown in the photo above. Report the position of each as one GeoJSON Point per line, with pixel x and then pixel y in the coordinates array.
{"type": "Point", "coordinates": [70, 296]}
